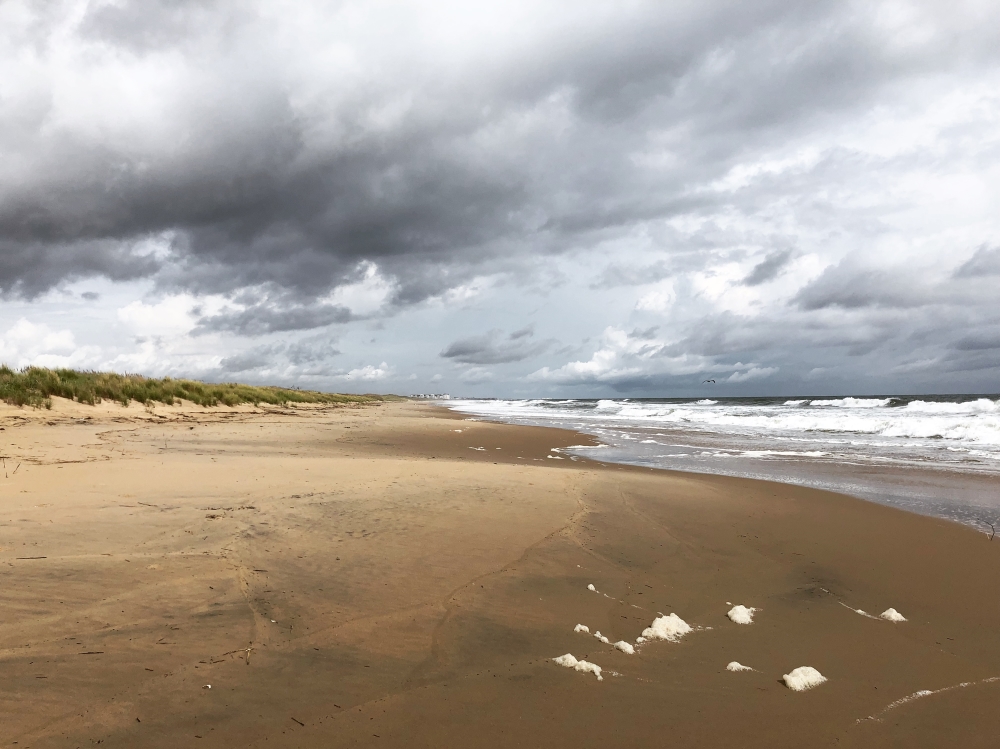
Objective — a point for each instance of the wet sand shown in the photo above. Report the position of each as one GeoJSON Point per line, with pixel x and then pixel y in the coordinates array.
{"type": "Point", "coordinates": [362, 577]}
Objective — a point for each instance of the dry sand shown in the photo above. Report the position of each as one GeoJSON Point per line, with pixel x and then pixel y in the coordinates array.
{"type": "Point", "coordinates": [360, 576]}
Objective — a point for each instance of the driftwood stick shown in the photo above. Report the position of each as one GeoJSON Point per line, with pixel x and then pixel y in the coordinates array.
{"type": "Point", "coordinates": [993, 529]}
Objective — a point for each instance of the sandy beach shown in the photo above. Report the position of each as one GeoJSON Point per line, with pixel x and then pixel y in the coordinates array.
{"type": "Point", "coordinates": [397, 575]}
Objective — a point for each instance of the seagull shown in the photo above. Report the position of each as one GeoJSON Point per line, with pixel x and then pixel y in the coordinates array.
{"type": "Point", "coordinates": [704, 381]}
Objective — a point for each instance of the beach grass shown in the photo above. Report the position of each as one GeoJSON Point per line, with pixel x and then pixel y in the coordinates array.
{"type": "Point", "coordinates": [35, 386]}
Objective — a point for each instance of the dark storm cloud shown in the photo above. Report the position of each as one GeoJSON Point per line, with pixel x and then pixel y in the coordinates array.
{"type": "Point", "coordinates": [29, 268]}
{"type": "Point", "coordinates": [495, 348]}
{"type": "Point", "coordinates": [268, 166]}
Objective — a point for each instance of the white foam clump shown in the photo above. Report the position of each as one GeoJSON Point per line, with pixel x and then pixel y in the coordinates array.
{"type": "Point", "coordinates": [602, 638]}
{"type": "Point", "coordinates": [581, 628]}
{"type": "Point", "coordinates": [803, 678]}
{"type": "Point", "coordinates": [592, 588]}
{"type": "Point", "coordinates": [671, 628]}
{"type": "Point", "coordinates": [741, 614]}
{"type": "Point", "coordinates": [891, 615]}
{"type": "Point", "coordinates": [569, 661]}
{"type": "Point", "coordinates": [737, 666]}
{"type": "Point", "coordinates": [624, 647]}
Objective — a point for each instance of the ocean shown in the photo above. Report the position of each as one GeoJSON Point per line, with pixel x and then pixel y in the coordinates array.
{"type": "Point", "coordinates": [935, 455]}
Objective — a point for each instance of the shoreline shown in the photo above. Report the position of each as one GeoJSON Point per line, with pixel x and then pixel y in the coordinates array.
{"type": "Point", "coordinates": [967, 498]}
{"type": "Point", "coordinates": [371, 576]}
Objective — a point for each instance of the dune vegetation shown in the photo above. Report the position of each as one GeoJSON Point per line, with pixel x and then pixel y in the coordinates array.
{"type": "Point", "coordinates": [35, 386]}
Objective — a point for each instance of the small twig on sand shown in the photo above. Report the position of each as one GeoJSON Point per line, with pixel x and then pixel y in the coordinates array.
{"type": "Point", "coordinates": [15, 470]}
{"type": "Point", "coordinates": [993, 530]}
{"type": "Point", "coordinates": [298, 721]}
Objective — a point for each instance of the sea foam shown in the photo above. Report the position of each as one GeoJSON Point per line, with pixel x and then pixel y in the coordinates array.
{"type": "Point", "coordinates": [741, 614]}
{"type": "Point", "coordinates": [803, 678]}
{"type": "Point", "coordinates": [570, 661]}
{"type": "Point", "coordinates": [891, 615]}
{"type": "Point", "coordinates": [671, 628]}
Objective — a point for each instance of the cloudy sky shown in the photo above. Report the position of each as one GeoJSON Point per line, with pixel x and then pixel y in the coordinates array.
{"type": "Point", "coordinates": [505, 198]}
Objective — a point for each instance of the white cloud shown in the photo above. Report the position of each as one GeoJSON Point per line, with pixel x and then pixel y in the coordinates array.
{"type": "Point", "coordinates": [621, 357]}
{"type": "Point", "coordinates": [658, 299]}
{"type": "Point", "coordinates": [171, 316]}
{"type": "Point", "coordinates": [475, 376]}
{"type": "Point", "coordinates": [365, 296]}
{"type": "Point", "coordinates": [367, 373]}
{"type": "Point", "coordinates": [29, 344]}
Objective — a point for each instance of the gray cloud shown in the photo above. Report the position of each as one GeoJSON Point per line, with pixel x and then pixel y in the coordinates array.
{"type": "Point", "coordinates": [459, 163]}
{"type": "Point", "coordinates": [618, 274]}
{"type": "Point", "coordinates": [296, 354]}
{"type": "Point", "coordinates": [985, 262]}
{"type": "Point", "coordinates": [494, 348]}
{"type": "Point", "coordinates": [251, 359]}
{"type": "Point", "coordinates": [768, 268]}
{"type": "Point", "coordinates": [849, 286]}
{"type": "Point", "coordinates": [290, 175]}
{"type": "Point", "coordinates": [980, 341]}
{"type": "Point", "coordinates": [265, 318]}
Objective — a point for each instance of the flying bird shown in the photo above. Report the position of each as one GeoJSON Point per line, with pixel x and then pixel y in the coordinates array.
{"type": "Point", "coordinates": [704, 381]}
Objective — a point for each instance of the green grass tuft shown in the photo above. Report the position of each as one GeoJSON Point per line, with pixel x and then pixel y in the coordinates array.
{"type": "Point", "coordinates": [35, 386]}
